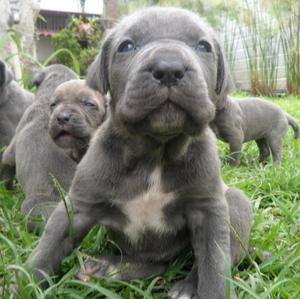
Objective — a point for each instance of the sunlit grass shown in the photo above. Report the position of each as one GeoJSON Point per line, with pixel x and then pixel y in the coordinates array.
{"type": "Point", "coordinates": [271, 271]}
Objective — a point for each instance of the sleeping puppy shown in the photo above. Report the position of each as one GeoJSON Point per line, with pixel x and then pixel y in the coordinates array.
{"type": "Point", "coordinates": [249, 119]}
{"type": "Point", "coordinates": [13, 102]}
{"type": "Point", "coordinates": [76, 112]}
{"type": "Point", "coordinates": [151, 175]}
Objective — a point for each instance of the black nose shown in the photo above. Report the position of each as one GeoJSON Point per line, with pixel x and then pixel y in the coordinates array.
{"type": "Point", "coordinates": [168, 73]}
{"type": "Point", "coordinates": [63, 117]}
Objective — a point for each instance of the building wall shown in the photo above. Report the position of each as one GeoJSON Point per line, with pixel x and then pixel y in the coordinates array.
{"type": "Point", "coordinates": [43, 47]}
{"type": "Point", "coordinates": [28, 10]}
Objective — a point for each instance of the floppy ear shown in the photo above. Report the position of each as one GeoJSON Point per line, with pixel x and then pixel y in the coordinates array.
{"type": "Point", "coordinates": [37, 79]}
{"type": "Point", "coordinates": [224, 82]}
{"type": "Point", "coordinates": [97, 77]}
{"type": "Point", "coordinates": [6, 75]}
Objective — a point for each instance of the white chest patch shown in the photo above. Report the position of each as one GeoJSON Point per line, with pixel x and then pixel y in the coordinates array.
{"type": "Point", "coordinates": [145, 210]}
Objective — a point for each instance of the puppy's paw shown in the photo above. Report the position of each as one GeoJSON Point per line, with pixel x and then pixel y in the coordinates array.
{"type": "Point", "coordinates": [97, 268]}
{"type": "Point", "coordinates": [234, 163]}
{"type": "Point", "coordinates": [183, 290]}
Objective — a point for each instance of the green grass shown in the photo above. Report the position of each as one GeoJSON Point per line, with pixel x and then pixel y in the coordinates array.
{"type": "Point", "coordinates": [271, 270]}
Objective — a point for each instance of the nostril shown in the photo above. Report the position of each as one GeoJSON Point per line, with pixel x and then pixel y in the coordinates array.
{"type": "Point", "coordinates": [64, 117]}
{"type": "Point", "coordinates": [158, 74]}
{"type": "Point", "coordinates": [179, 74]}
{"type": "Point", "coordinates": [167, 72]}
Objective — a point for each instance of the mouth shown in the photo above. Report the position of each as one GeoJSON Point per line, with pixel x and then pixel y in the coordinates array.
{"type": "Point", "coordinates": [164, 137]}
{"type": "Point", "coordinates": [166, 122]}
{"type": "Point", "coordinates": [65, 139]}
{"type": "Point", "coordinates": [64, 134]}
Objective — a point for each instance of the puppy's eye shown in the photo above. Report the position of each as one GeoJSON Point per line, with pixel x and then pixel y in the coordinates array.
{"type": "Point", "coordinates": [126, 46]}
{"type": "Point", "coordinates": [89, 104]}
{"type": "Point", "coordinates": [52, 105]}
{"type": "Point", "coordinates": [204, 47]}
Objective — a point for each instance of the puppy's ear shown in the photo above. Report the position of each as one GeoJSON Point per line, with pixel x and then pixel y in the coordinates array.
{"type": "Point", "coordinates": [6, 75]}
{"type": "Point", "coordinates": [37, 79]}
{"type": "Point", "coordinates": [224, 81]}
{"type": "Point", "coordinates": [97, 77]}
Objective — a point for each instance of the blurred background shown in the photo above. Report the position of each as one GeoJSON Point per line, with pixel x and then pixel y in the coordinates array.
{"type": "Point", "coordinates": [261, 38]}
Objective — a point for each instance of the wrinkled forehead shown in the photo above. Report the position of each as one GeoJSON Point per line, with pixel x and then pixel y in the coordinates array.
{"type": "Point", "coordinates": [75, 92]}
{"type": "Point", "coordinates": [74, 89]}
{"type": "Point", "coordinates": [164, 23]}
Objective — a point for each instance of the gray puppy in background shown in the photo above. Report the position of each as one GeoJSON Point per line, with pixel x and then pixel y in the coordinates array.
{"type": "Point", "coordinates": [239, 121]}
{"type": "Point", "coordinates": [33, 156]}
{"type": "Point", "coordinates": [151, 175]}
{"type": "Point", "coordinates": [13, 102]}
{"type": "Point", "coordinates": [76, 112]}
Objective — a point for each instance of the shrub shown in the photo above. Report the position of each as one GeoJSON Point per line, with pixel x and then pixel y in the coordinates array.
{"type": "Point", "coordinates": [82, 38]}
{"type": "Point", "coordinates": [66, 39]}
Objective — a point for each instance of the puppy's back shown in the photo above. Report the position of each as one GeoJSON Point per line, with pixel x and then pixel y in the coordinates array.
{"type": "Point", "coordinates": [260, 117]}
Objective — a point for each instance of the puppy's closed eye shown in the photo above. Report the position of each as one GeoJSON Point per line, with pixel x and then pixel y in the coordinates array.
{"type": "Point", "coordinates": [53, 104]}
{"type": "Point", "coordinates": [89, 104]}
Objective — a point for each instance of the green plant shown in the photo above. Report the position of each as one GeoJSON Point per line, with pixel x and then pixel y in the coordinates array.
{"type": "Point", "coordinates": [261, 42]}
{"type": "Point", "coordinates": [11, 36]}
{"type": "Point", "coordinates": [66, 40]}
{"type": "Point", "coordinates": [81, 38]}
{"type": "Point", "coordinates": [287, 14]}
{"type": "Point", "coordinates": [87, 56]}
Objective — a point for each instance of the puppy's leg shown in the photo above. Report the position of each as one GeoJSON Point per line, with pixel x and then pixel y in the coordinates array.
{"type": "Point", "coordinates": [264, 150]}
{"type": "Point", "coordinates": [235, 152]}
{"type": "Point", "coordinates": [208, 221]}
{"type": "Point", "coordinates": [7, 174]}
{"type": "Point", "coordinates": [62, 234]}
{"type": "Point", "coordinates": [8, 165]}
{"type": "Point", "coordinates": [38, 208]}
{"type": "Point", "coordinates": [240, 221]}
{"type": "Point", "coordinates": [119, 267]}
{"type": "Point", "coordinates": [186, 288]}
{"type": "Point", "coordinates": [275, 144]}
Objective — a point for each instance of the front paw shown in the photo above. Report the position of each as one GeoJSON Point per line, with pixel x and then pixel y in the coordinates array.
{"type": "Point", "coordinates": [183, 290]}
{"type": "Point", "coordinates": [97, 268]}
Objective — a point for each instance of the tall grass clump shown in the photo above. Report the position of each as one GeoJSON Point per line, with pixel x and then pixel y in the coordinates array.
{"type": "Point", "coordinates": [228, 29]}
{"type": "Point", "coordinates": [261, 42]}
{"type": "Point", "coordinates": [230, 40]}
{"type": "Point", "coordinates": [287, 14]}
{"type": "Point", "coordinates": [29, 59]}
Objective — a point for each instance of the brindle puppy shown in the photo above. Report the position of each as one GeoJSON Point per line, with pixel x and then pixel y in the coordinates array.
{"type": "Point", "coordinates": [76, 112]}
{"type": "Point", "coordinates": [151, 174]}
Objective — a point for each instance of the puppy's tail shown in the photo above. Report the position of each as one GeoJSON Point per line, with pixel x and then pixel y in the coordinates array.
{"type": "Point", "coordinates": [293, 123]}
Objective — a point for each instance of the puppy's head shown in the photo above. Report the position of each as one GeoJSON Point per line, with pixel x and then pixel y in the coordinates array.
{"type": "Point", "coordinates": [165, 72]}
{"type": "Point", "coordinates": [6, 76]}
{"type": "Point", "coordinates": [42, 78]}
{"type": "Point", "coordinates": [76, 112]}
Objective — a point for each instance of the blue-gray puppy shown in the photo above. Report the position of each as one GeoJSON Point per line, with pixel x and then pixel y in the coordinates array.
{"type": "Point", "coordinates": [239, 121]}
{"type": "Point", "coordinates": [13, 102]}
{"type": "Point", "coordinates": [151, 174]}
{"type": "Point", "coordinates": [33, 157]}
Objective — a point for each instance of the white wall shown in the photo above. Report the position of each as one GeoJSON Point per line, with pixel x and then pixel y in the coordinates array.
{"type": "Point", "coordinates": [91, 6]}
{"type": "Point", "coordinates": [240, 71]}
{"type": "Point", "coordinates": [43, 48]}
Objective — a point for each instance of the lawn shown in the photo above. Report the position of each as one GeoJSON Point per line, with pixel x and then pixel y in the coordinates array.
{"type": "Point", "coordinates": [271, 269]}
